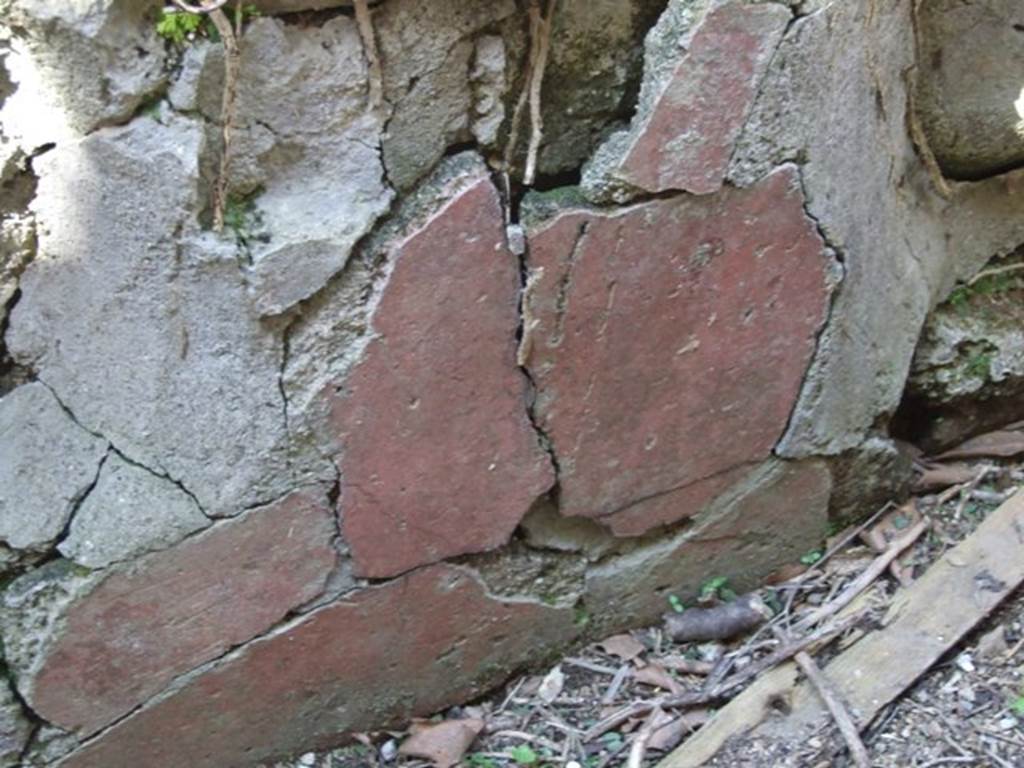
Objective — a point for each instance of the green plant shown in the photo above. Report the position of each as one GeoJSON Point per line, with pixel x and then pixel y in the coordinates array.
{"type": "Point", "coordinates": [523, 755]}
{"type": "Point", "coordinates": [480, 761]}
{"type": "Point", "coordinates": [979, 365]}
{"type": "Point", "coordinates": [581, 616]}
{"type": "Point", "coordinates": [812, 557]}
{"type": "Point", "coordinates": [676, 603]}
{"type": "Point", "coordinates": [1018, 705]}
{"type": "Point", "coordinates": [717, 587]}
{"type": "Point", "coordinates": [177, 26]}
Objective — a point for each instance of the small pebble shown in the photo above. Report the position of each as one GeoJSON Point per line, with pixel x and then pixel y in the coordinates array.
{"type": "Point", "coordinates": [308, 759]}
{"type": "Point", "coordinates": [573, 764]}
{"type": "Point", "coordinates": [389, 750]}
{"type": "Point", "coordinates": [965, 662]}
{"type": "Point", "coordinates": [1007, 724]}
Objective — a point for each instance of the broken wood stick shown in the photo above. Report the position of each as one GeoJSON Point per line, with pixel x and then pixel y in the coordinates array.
{"type": "Point", "coordinates": [971, 579]}
{"type": "Point", "coordinates": [639, 747]}
{"type": "Point", "coordinates": [718, 623]}
{"type": "Point", "coordinates": [710, 694]}
{"type": "Point", "coordinates": [863, 580]}
{"type": "Point", "coordinates": [847, 728]}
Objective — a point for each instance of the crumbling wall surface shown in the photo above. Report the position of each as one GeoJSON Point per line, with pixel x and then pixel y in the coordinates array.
{"type": "Point", "coordinates": [408, 422]}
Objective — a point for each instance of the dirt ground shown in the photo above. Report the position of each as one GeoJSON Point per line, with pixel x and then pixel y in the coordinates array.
{"type": "Point", "coordinates": [967, 710]}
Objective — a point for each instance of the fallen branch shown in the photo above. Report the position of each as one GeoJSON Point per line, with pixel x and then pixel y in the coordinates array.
{"type": "Point", "coordinates": [718, 623]}
{"type": "Point", "coordinates": [849, 731]}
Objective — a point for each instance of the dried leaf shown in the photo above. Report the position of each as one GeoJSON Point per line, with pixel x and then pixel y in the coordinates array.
{"type": "Point", "coordinates": [658, 676]}
{"type": "Point", "coordinates": [551, 686]}
{"type": "Point", "coordinates": [940, 476]}
{"type": "Point", "coordinates": [670, 733]}
{"type": "Point", "coordinates": [626, 647]}
{"type": "Point", "coordinates": [444, 743]}
{"type": "Point", "coordinates": [1001, 443]}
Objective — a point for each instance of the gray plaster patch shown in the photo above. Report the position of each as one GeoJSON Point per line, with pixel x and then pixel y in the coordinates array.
{"type": "Point", "coordinates": [47, 463]}
{"type": "Point", "coordinates": [143, 325]}
{"type": "Point", "coordinates": [80, 65]}
{"type": "Point", "coordinates": [130, 511]}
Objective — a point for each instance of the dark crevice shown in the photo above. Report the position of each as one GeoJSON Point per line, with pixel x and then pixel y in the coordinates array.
{"type": "Point", "coordinates": [832, 251]}
{"type": "Point", "coordinates": [160, 473]}
{"type": "Point", "coordinates": [79, 500]}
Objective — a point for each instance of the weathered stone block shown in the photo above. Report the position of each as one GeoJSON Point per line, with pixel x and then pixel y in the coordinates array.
{"type": "Point", "coordinates": [122, 638]}
{"type": "Point", "coordinates": [47, 463]}
{"type": "Point", "coordinates": [438, 454]}
{"type": "Point", "coordinates": [142, 325]}
{"type": "Point", "coordinates": [668, 342]}
{"type": "Point", "coordinates": [426, 48]}
{"type": "Point", "coordinates": [130, 511]}
{"type": "Point", "coordinates": [968, 79]}
{"type": "Point", "coordinates": [701, 73]}
{"type": "Point", "coordinates": [79, 65]}
{"type": "Point", "coordinates": [412, 646]}
{"type": "Point", "coordinates": [776, 514]}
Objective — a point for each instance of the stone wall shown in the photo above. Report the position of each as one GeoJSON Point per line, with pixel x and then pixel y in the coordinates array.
{"type": "Point", "coordinates": [406, 424]}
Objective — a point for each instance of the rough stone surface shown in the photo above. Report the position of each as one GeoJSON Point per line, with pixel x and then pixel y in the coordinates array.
{"type": "Point", "coordinates": [119, 640]}
{"type": "Point", "coordinates": [130, 511]}
{"type": "Point", "coordinates": [968, 370]}
{"type": "Point", "coordinates": [412, 646]}
{"type": "Point", "coordinates": [649, 331]}
{"type": "Point", "coordinates": [438, 455]}
{"type": "Point", "coordinates": [968, 80]}
{"type": "Point", "coordinates": [79, 65]}
{"type": "Point", "coordinates": [47, 464]}
{"type": "Point", "coordinates": [120, 267]}
{"type": "Point", "coordinates": [838, 107]}
{"type": "Point", "coordinates": [702, 70]}
{"type": "Point", "coordinates": [15, 728]}
{"type": "Point", "coordinates": [596, 45]}
{"type": "Point", "coordinates": [306, 155]}
{"type": "Point", "coordinates": [776, 514]}
{"type": "Point", "coordinates": [427, 48]}
{"type": "Point", "coordinates": [489, 86]}
{"type": "Point", "coordinates": [867, 477]}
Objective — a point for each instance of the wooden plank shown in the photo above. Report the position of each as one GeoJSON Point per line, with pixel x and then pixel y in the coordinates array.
{"type": "Point", "coordinates": [923, 622]}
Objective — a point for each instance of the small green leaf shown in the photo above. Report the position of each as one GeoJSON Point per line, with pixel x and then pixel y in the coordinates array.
{"type": "Point", "coordinates": [811, 557]}
{"type": "Point", "coordinates": [900, 522]}
{"type": "Point", "coordinates": [711, 587]}
{"type": "Point", "coordinates": [676, 603]}
{"type": "Point", "coordinates": [1018, 705]}
{"type": "Point", "coordinates": [523, 755]}
{"type": "Point", "coordinates": [480, 761]}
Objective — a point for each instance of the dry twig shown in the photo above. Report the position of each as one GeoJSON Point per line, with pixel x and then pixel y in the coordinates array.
{"type": "Point", "coordinates": [542, 43]}
{"type": "Point", "coordinates": [877, 567]}
{"type": "Point", "coordinates": [719, 691]}
{"type": "Point", "coordinates": [836, 708]}
{"type": "Point", "coordinates": [214, 10]}
{"type": "Point", "coordinates": [639, 748]}
{"type": "Point", "coordinates": [374, 72]}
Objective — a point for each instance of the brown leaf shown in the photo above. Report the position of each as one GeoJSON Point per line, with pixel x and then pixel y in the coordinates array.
{"type": "Point", "coordinates": [658, 676]}
{"type": "Point", "coordinates": [940, 476]}
{"type": "Point", "coordinates": [891, 526]}
{"type": "Point", "coordinates": [670, 733]}
{"type": "Point", "coordinates": [442, 743]}
{"type": "Point", "coordinates": [626, 647]}
{"type": "Point", "coordinates": [1001, 443]}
